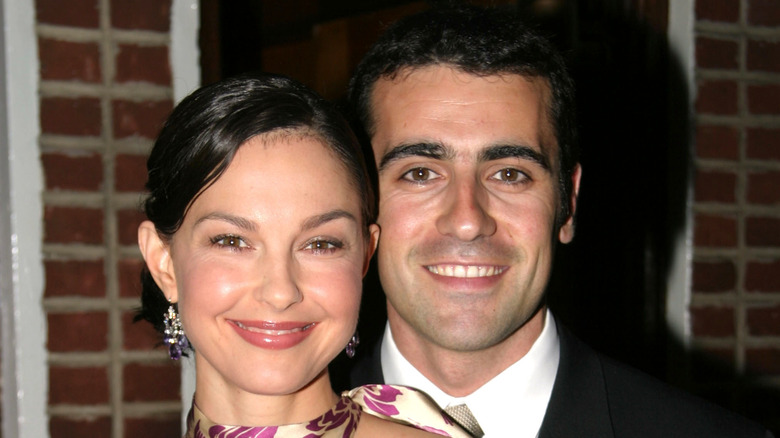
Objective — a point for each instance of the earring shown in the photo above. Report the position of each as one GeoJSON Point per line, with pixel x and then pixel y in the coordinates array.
{"type": "Point", "coordinates": [352, 345]}
{"type": "Point", "coordinates": [174, 337]}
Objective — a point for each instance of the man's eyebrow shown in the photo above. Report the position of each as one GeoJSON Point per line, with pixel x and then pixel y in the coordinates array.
{"type": "Point", "coordinates": [429, 150]}
{"type": "Point", "coordinates": [515, 151]}
{"type": "Point", "coordinates": [240, 222]}
{"type": "Point", "coordinates": [317, 220]}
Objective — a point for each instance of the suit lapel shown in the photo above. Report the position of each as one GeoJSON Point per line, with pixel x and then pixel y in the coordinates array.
{"type": "Point", "coordinates": [578, 404]}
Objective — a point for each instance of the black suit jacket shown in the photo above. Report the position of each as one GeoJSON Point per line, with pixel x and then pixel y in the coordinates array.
{"type": "Point", "coordinates": [594, 396]}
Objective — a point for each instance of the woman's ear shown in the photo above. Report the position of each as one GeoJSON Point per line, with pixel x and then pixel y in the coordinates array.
{"type": "Point", "coordinates": [373, 241]}
{"type": "Point", "coordinates": [157, 255]}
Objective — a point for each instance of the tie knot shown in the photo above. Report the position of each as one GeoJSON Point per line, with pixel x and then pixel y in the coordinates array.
{"type": "Point", "coordinates": [462, 415]}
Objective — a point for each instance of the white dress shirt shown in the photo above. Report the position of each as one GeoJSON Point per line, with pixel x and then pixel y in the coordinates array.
{"type": "Point", "coordinates": [511, 404]}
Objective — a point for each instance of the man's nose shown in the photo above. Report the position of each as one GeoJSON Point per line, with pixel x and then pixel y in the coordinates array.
{"type": "Point", "coordinates": [465, 215]}
{"type": "Point", "coordinates": [279, 287]}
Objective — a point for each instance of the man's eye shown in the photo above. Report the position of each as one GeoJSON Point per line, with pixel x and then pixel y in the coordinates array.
{"type": "Point", "coordinates": [419, 174]}
{"type": "Point", "coordinates": [509, 175]}
{"type": "Point", "coordinates": [233, 242]}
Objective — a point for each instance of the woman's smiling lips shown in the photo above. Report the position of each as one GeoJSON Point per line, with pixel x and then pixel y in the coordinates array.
{"type": "Point", "coordinates": [273, 335]}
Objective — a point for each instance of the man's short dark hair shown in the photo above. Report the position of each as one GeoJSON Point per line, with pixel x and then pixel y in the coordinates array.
{"type": "Point", "coordinates": [482, 42]}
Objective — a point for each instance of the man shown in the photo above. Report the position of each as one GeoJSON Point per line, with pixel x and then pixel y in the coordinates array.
{"type": "Point", "coordinates": [470, 118]}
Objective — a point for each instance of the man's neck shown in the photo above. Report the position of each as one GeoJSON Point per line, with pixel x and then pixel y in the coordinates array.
{"type": "Point", "coordinates": [459, 373]}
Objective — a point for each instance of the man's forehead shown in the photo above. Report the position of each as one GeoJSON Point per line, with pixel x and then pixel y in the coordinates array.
{"type": "Point", "coordinates": [397, 100]}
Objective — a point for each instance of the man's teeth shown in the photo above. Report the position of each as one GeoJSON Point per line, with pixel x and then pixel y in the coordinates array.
{"type": "Point", "coordinates": [462, 271]}
{"type": "Point", "coordinates": [273, 332]}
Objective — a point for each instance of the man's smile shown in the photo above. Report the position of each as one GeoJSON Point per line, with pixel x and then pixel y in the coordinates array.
{"type": "Point", "coordinates": [465, 271]}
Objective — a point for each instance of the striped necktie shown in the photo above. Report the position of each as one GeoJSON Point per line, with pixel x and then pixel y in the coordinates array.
{"type": "Point", "coordinates": [462, 415]}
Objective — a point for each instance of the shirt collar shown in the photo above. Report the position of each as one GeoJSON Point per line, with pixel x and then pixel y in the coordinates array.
{"type": "Point", "coordinates": [515, 400]}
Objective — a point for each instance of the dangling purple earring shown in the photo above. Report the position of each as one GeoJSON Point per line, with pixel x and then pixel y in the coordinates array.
{"type": "Point", "coordinates": [174, 337]}
{"type": "Point", "coordinates": [352, 345]}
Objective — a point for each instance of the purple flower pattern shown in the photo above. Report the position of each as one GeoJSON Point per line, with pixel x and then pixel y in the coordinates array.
{"type": "Point", "coordinates": [397, 403]}
{"type": "Point", "coordinates": [341, 421]}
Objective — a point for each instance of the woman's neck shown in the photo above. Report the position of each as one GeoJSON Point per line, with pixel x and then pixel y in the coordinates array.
{"type": "Point", "coordinates": [223, 403]}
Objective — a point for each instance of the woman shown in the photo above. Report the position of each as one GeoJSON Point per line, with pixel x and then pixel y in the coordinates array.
{"type": "Point", "coordinates": [260, 230]}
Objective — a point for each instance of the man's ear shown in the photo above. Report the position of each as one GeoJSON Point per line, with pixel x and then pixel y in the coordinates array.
{"type": "Point", "coordinates": [157, 255]}
{"type": "Point", "coordinates": [373, 240]}
{"type": "Point", "coordinates": [566, 233]}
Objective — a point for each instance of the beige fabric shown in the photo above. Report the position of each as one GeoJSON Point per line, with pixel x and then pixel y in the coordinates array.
{"type": "Point", "coordinates": [463, 416]}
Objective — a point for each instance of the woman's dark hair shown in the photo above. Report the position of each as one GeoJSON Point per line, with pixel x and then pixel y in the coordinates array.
{"type": "Point", "coordinates": [203, 134]}
{"type": "Point", "coordinates": [482, 42]}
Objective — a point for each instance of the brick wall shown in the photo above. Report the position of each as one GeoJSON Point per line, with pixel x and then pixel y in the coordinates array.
{"type": "Point", "coordinates": [735, 309]}
{"type": "Point", "coordinates": [105, 88]}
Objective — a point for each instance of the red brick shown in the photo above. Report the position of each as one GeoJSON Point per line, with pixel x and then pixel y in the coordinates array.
{"type": "Point", "coordinates": [143, 64]}
{"type": "Point", "coordinates": [763, 56]}
{"type": "Point", "coordinates": [151, 382]}
{"type": "Point", "coordinates": [73, 225]}
{"type": "Point", "coordinates": [66, 116]}
{"type": "Point", "coordinates": [715, 186]}
{"type": "Point", "coordinates": [130, 173]}
{"type": "Point", "coordinates": [764, 13]}
{"type": "Point", "coordinates": [716, 53]}
{"type": "Point", "coordinates": [154, 427]}
{"type": "Point", "coordinates": [86, 331]}
{"type": "Point", "coordinates": [74, 278]}
{"type": "Point", "coordinates": [764, 321]}
{"type": "Point", "coordinates": [78, 386]}
{"type": "Point", "coordinates": [720, 142]}
{"type": "Point", "coordinates": [717, 10]}
{"type": "Point", "coordinates": [130, 278]}
{"type": "Point", "coordinates": [83, 172]}
{"type": "Point", "coordinates": [764, 99]}
{"type": "Point", "coordinates": [139, 335]}
{"type": "Point", "coordinates": [77, 13]}
{"type": "Point", "coordinates": [717, 276]}
{"type": "Point", "coordinates": [763, 360]}
{"type": "Point", "coordinates": [128, 222]}
{"type": "Point", "coordinates": [141, 14]}
{"type": "Point", "coordinates": [717, 231]}
{"type": "Point", "coordinates": [717, 97]}
{"type": "Point", "coordinates": [762, 231]}
{"type": "Point", "coordinates": [764, 188]}
{"type": "Point", "coordinates": [60, 427]}
{"type": "Point", "coordinates": [762, 276]}
{"type": "Point", "coordinates": [65, 60]}
{"type": "Point", "coordinates": [144, 119]}
{"type": "Point", "coordinates": [717, 322]}
{"type": "Point", "coordinates": [763, 143]}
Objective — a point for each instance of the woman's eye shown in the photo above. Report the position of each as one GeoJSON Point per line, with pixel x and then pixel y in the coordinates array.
{"type": "Point", "coordinates": [233, 242]}
{"type": "Point", "coordinates": [510, 175]}
{"type": "Point", "coordinates": [322, 246]}
{"type": "Point", "coordinates": [420, 174]}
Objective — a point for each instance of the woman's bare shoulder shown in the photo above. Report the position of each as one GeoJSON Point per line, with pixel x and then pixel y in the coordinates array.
{"type": "Point", "coordinates": [371, 426]}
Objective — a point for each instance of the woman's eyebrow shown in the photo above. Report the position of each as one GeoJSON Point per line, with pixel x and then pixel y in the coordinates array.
{"type": "Point", "coordinates": [240, 222]}
{"type": "Point", "coordinates": [317, 220]}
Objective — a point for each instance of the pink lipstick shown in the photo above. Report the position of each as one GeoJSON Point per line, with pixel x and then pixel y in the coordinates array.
{"type": "Point", "coordinates": [273, 335]}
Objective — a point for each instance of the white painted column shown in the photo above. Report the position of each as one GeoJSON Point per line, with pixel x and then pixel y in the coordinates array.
{"type": "Point", "coordinates": [681, 41]}
{"type": "Point", "coordinates": [25, 377]}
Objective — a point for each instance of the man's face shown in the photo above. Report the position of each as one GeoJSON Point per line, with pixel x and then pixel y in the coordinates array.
{"type": "Point", "coordinates": [468, 199]}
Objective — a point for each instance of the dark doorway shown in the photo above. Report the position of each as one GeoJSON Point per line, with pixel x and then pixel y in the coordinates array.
{"type": "Point", "coordinates": [609, 285]}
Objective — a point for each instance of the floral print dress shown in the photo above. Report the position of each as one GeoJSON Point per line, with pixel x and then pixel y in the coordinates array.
{"type": "Point", "coordinates": [395, 403]}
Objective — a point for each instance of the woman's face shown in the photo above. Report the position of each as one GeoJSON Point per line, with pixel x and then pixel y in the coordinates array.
{"type": "Point", "coordinates": [268, 266]}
